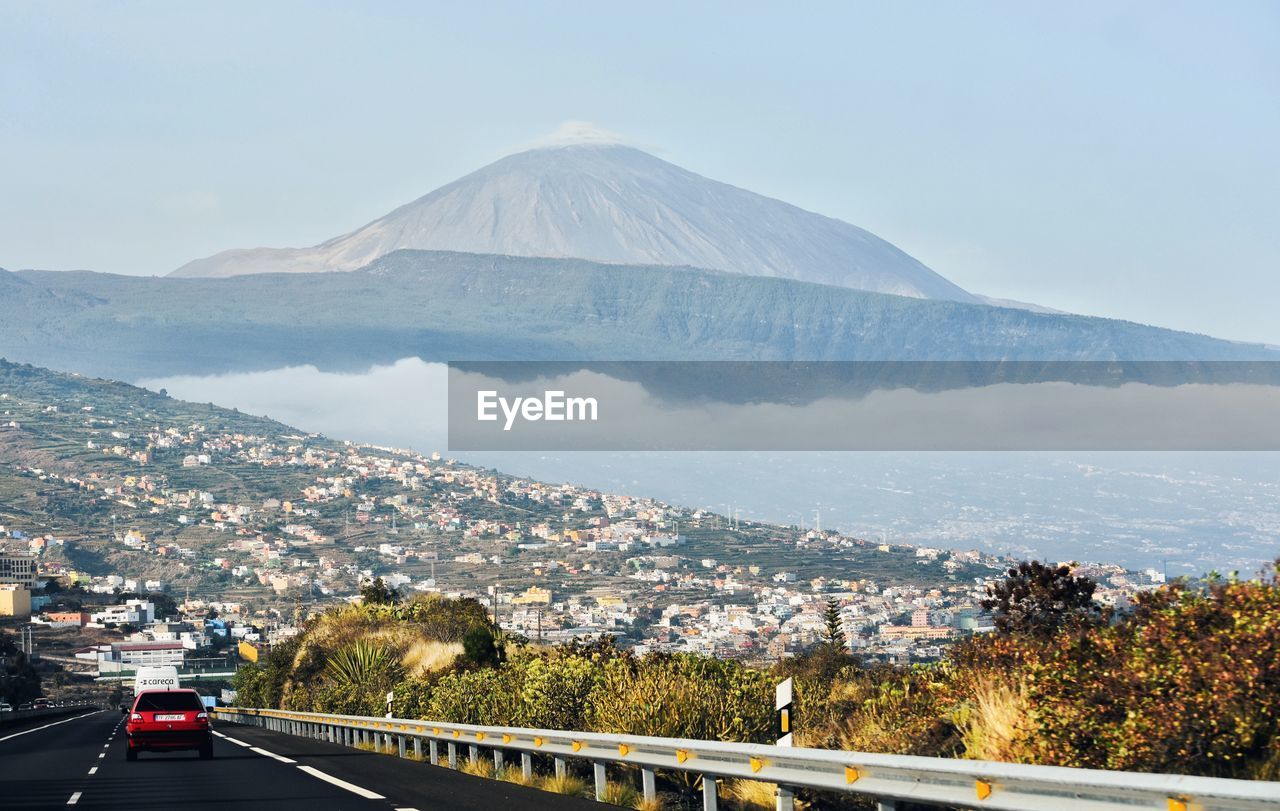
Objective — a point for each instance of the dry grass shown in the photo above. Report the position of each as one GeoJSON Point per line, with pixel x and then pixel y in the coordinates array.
{"type": "Point", "coordinates": [378, 748]}
{"type": "Point", "coordinates": [570, 784]}
{"type": "Point", "coordinates": [748, 795]}
{"type": "Point", "coordinates": [623, 794]}
{"type": "Point", "coordinates": [425, 656]}
{"type": "Point", "coordinates": [992, 726]}
{"type": "Point", "coordinates": [480, 767]}
{"type": "Point", "coordinates": [512, 773]}
{"type": "Point", "coordinates": [642, 804]}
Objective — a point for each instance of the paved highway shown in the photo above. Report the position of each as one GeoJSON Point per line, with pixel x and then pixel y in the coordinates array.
{"type": "Point", "coordinates": [79, 762]}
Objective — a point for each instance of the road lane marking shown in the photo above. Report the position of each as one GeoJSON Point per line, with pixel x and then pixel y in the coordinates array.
{"type": "Point", "coordinates": [236, 741]}
{"type": "Point", "coordinates": [75, 798]}
{"type": "Point", "coordinates": [280, 758]}
{"type": "Point", "coordinates": [351, 787]}
{"type": "Point", "coordinates": [94, 770]}
{"type": "Point", "coordinates": [46, 726]}
{"type": "Point", "coordinates": [219, 734]}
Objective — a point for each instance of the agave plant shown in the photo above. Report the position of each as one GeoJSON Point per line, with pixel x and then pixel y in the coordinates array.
{"type": "Point", "coordinates": [362, 662]}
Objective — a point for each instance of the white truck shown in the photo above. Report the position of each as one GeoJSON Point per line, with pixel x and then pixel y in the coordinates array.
{"type": "Point", "coordinates": [155, 678]}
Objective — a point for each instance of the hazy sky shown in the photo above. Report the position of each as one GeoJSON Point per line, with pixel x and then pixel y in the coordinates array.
{"type": "Point", "coordinates": [1112, 158]}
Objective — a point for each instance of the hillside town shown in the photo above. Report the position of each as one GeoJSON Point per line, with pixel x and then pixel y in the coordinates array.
{"type": "Point", "coordinates": [247, 532]}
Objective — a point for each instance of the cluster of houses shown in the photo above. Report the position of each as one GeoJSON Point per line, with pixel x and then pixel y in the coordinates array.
{"type": "Point", "coordinates": [551, 544]}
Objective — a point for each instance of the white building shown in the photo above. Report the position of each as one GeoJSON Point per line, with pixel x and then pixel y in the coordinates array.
{"type": "Point", "coordinates": [133, 612]}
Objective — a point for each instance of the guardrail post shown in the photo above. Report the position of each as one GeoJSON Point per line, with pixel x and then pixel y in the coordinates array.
{"type": "Point", "coordinates": [453, 755]}
{"type": "Point", "coordinates": [886, 805]}
{"type": "Point", "coordinates": [401, 737]}
{"type": "Point", "coordinates": [602, 780]}
{"type": "Point", "coordinates": [417, 748]}
{"type": "Point", "coordinates": [786, 799]}
{"type": "Point", "coordinates": [648, 785]}
{"type": "Point", "coordinates": [473, 754]}
{"type": "Point", "coordinates": [710, 795]}
{"type": "Point", "coordinates": [526, 765]}
{"type": "Point", "coordinates": [561, 767]}
{"type": "Point", "coordinates": [434, 748]}
{"type": "Point", "coordinates": [499, 760]}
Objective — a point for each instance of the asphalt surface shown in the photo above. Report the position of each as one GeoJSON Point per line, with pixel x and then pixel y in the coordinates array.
{"type": "Point", "coordinates": [80, 763]}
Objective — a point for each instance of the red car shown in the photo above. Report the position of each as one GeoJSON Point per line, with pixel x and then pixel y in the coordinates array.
{"type": "Point", "coordinates": [168, 720]}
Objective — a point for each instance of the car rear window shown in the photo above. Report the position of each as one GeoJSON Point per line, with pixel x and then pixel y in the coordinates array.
{"type": "Point", "coordinates": [160, 702]}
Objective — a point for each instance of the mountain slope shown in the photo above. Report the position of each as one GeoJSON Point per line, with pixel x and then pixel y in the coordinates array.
{"type": "Point", "coordinates": [615, 204]}
{"type": "Point", "coordinates": [457, 306]}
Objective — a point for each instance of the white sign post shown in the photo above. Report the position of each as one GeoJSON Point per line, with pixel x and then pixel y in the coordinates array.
{"type": "Point", "coordinates": [782, 704]}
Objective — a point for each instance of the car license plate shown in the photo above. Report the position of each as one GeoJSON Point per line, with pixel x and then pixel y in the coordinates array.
{"type": "Point", "coordinates": [171, 717]}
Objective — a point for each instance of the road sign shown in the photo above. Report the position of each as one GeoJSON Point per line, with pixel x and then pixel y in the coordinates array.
{"type": "Point", "coordinates": [782, 703]}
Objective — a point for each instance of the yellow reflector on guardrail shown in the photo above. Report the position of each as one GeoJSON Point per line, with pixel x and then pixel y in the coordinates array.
{"type": "Point", "coordinates": [1177, 804]}
{"type": "Point", "coordinates": [682, 755]}
{"type": "Point", "coordinates": [757, 764]}
{"type": "Point", "coordinates": [623, 749]}
{"type": "Point", "coordinates": [851, 774]}
{"type": "Point", "coordinates": [983, 789]}
{"type": "Point", "coordinates": [577, 745]}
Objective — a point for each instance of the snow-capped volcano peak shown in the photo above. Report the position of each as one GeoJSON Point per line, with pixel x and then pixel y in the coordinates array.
{"type": "Point", "coordinates": [571, 133]}
{"type": "Point", "coordinates": [592, 197]}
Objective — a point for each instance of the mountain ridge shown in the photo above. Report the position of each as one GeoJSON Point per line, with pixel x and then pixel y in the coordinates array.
{"type": "Point", "coordinates": [445, 306]}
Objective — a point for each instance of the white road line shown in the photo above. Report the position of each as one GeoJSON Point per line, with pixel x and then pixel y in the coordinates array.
{"type": "Point", "coordinates": [236, 741]}
{"type": "Point", "coordinates": [46, 726]}
{"type": "Point", "coordinates": [351, 787]}
{"type": "Point", "coordinates": [94, 770]}
{"type": "Point", "coordinates": [219, 734]}
{"type": "Point", "coordinates": [102, 754]}
{"type": "Point", "coordinates": [75, 798]}
{"type": "Point", "coordinates": [107, 745]}
{"type": "Point", "coordinates": [280, 758]}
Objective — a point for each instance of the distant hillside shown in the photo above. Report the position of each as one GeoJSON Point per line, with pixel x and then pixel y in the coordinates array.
{"type": "Point", "coordinates": [611, 203]}
{"type": "Point", "coordinates": [451, 306]}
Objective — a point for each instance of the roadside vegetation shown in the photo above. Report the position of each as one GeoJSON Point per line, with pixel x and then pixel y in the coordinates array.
{"type": "Point", "coordinates": [1187, 680]}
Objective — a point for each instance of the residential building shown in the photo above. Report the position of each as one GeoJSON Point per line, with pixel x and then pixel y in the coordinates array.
{"type": "Point", "coordinates": [18, 570]}
{"type": "Point", "coordinates": [15, 601]}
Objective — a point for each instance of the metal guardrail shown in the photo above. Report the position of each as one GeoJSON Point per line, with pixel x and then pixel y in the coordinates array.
{"type": "Point", "coordinates": [11, 716]}
{"type": "Point", "coordinates": [886, 778]}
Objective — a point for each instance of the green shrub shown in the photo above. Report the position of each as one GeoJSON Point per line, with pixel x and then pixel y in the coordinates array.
{"type": "Point", "coordinates": [489, 697]}
{"type": "Point", "coordinates": [556, 693]}
{"type": "Point", "coordinates": [683, 696]}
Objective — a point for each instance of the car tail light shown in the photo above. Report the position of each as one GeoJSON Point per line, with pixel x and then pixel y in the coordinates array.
{"type": "Point", "coordinates": [202, 716]}
{"type": "Point", "coordinates": [137, 716]}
